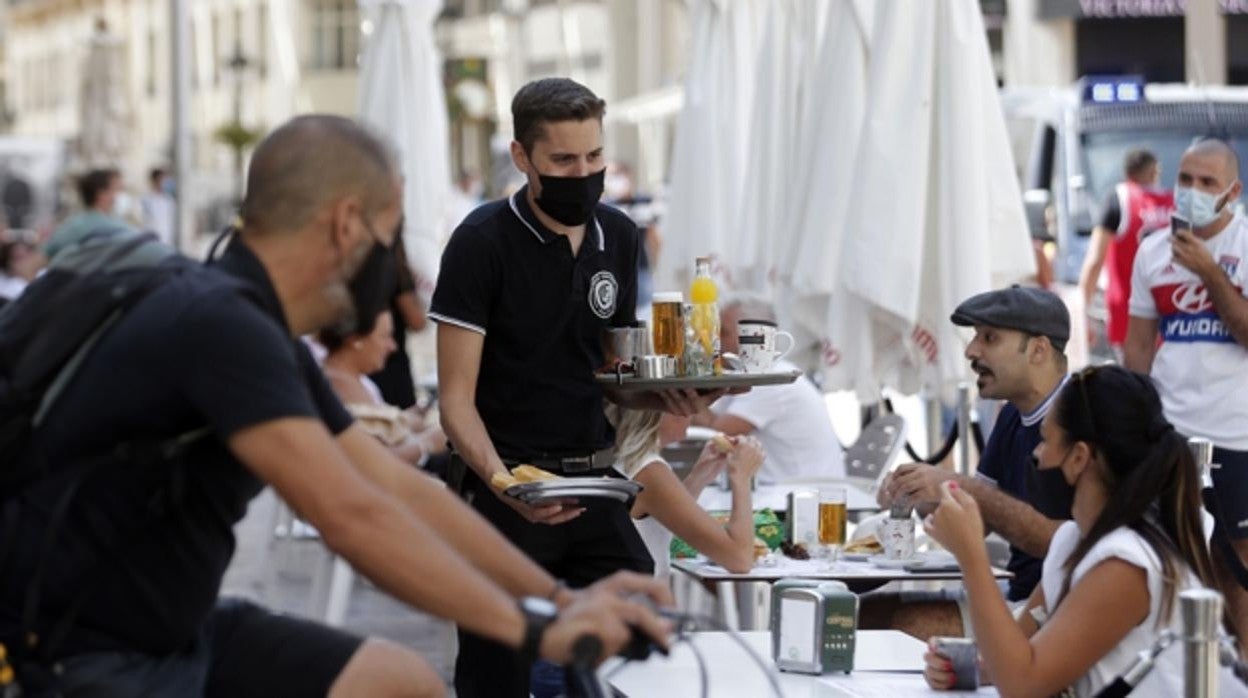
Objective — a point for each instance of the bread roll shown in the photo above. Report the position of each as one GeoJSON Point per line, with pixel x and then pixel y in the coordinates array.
{"type": "Point", "coordinates": [530, 473]}
{"type": "Point", "coordinates": [501, 481]}
{"type": "Point", "coordinates": [722, 443]}
{"type": "Point", "coordinates": [760, 547]}
{"type": "Point", "coordinates": [869, 544]}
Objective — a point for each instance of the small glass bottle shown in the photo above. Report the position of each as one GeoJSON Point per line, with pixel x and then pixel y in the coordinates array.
{"type": "Point", "coordinates": [704, 321]}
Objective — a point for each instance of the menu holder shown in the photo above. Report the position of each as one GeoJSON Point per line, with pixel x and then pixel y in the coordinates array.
{"type": "Point", "coordinates": [629, 382]}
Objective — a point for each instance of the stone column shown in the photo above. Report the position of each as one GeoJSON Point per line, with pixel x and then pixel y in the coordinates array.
{"type": "Point", "coordinates": [1038, 52]}
{"type": "Point", "coordinates": [1204, 41]}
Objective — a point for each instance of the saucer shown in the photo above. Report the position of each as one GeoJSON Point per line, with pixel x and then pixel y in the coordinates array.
{"type": "Point", "coordinates": [893, 564]}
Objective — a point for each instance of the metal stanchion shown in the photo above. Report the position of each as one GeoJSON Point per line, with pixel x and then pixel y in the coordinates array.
{"type": "Point", "coordinates": [931, 409]}
{"type": "Point", "coordinates": [964, 428]}
{"type": "Point", "coordinates": [1202, 453]}
{"type": "Point", "coordinates": [1201, 611]}
{"type": "Point", "coordinates": [180, 115]}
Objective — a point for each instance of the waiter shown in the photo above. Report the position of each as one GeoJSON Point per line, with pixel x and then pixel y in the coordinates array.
{"type": "Point", "coordinates": [527, 289]}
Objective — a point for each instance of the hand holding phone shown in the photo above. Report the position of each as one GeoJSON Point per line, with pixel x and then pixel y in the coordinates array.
{"type": "Point", "coordinates": [1178, 223]}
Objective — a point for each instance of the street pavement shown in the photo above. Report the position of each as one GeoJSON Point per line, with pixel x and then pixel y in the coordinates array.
{"type": "Point", "coordinates": [281, 577]}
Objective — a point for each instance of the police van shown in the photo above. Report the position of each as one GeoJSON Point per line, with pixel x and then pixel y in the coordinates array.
{"type": "Point", "coordinates": [1081, 135]}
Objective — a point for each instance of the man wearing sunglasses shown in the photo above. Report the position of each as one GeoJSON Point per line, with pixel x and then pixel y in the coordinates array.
{"type": "Point", "coordinates": [1017, 355]}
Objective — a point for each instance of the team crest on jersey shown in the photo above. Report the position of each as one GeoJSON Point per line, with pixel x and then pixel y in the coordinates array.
{"type": "Point", "coordinates": [1229, 264]}
{"type": "Point", "coordinates": [603, 291]}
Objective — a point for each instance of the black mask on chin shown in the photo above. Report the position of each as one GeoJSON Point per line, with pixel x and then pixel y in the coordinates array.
{"type": "Point", "coordinates": [571, 200]}
{"type": "Point", "coordinates": [371, 286]}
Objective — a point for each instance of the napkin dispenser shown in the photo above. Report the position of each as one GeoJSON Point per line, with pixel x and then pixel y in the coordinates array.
{"type": "Point", "coordinates": [803, 515]}
{"type": "Point", "coordinates": [812, 626]}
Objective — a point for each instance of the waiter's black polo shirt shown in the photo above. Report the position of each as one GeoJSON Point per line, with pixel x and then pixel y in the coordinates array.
{"type": "Point", "coordinates": [543, 314]}
{"type": "Point", "coordinates": [209, 347]}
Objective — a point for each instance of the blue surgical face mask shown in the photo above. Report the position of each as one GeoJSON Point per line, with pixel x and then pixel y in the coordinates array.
{"type": "Point", "coordinates": [1201, 208]}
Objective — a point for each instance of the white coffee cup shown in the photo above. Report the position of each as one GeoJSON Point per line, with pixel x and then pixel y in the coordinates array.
{"type": "Point", "coordinates": [758, 344]}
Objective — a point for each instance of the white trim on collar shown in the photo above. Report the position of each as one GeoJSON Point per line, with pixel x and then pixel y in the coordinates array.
{"type": "Point", "coordinates": [511, 201]}
{"type": "Point", "coordinates": [1042, 409]}
{"type": "Point", "coordinates": [516, 210]}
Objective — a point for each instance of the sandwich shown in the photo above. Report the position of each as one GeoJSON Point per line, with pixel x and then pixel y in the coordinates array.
{"type": "Point", "coordinates": [760, 548]}
{"type": "Point", "coordinates": [869, 545]}
{"type": "Point", "coordinates": [530, 473]}
{"type": "Point", "coordinates": [722, 444]}
{"type": "Point", "coordinates": [501, 481]}
{"type": "Point", "coordinates": [520, 475]}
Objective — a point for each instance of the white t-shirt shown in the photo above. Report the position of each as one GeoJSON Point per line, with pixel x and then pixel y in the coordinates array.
{"type": "Point", "coordinates": [11, 286]}
{"type": "Point", "coordinates": [657, 538]}
{"type": "Point", "coordinates": [1200, 370]}
{"type": "Point", "coordinates": [1166, 678]}
{"type": "Point", "coordinates": [792, 423]}
{"type": "Point", "coordinates": [159, 212]}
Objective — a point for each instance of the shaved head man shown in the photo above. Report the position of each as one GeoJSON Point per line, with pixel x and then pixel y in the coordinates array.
{"type": "Point", "coordinates": [1187, 290]}
{"type": "Point", "coordinates": [212, 356]}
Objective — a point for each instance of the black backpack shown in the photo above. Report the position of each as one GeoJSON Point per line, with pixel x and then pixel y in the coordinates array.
{"type": "Point", "coordinates": [45, 334]}
{"type": "Point", "coordinates": [51, 327]}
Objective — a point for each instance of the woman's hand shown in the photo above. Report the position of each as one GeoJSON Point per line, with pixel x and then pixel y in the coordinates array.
{"type": "Point", "coordinates": [956, 524]}
{"type": "Point", "coordinates": [937, 669]}
{"type": "Point", "coordinates": [745, 460]}
{"type": "Point", "coordinates": [711, 462]}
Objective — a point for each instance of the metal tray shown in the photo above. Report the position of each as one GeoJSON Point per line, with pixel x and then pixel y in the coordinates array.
{"type": "Point", "coordinates": [574, 489]}
{"type": "Point", "coordinates": [727, 380]}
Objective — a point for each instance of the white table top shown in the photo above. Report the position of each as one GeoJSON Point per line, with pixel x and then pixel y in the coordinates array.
{"type": "Point", "coordinates": [774, 496]}
{"type": "Point", "coordinates": [846, 570]}
{"type": "Point", "coordinates": [886, 663]}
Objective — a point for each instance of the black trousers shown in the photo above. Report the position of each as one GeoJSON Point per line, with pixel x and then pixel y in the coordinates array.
{"type": "Point", "coordinates": [244, 650]}
{"type": "Point", "coordinates": [596, 544]}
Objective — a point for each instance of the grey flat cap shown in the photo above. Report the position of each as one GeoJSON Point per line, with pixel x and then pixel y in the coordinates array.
{"type": "Point", "coordinates": [1031, 310]}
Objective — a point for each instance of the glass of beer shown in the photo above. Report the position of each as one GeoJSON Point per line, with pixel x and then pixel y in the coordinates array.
{"type": "Point", "coordinates": [669, 325]}
{"type": "Point", "coordinates": [832, 520]}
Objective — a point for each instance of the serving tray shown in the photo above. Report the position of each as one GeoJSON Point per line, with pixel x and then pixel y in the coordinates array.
{"type": "Point", "coordinates": [574, 489]}
{"type": "Point", "coordinates": [629, 382]}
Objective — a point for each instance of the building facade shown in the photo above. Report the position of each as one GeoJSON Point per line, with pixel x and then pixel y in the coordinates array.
{"type": "Point", "coordinates": [630, 52]}
{"type": "Point", "coordinates": [254, 62]}
{"type": "Point", "coordinates": [260, 61]}
{"type": "Point", "coordinates": [1053, 42]}
{"type": "Point", "coordinates": [302, 55]}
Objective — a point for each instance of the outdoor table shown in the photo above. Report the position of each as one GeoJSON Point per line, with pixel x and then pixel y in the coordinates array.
{"type": "Point", "coordinates": [773, 495]}
{"type": "Point", "coordinates": [887, 663]}
{"type": "Point", "coordinates": [858, 576]}
{"type": "Point", "coordinates": [844, 570]}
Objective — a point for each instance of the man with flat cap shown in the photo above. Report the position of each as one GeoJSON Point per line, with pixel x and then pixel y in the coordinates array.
{"type": "Point", "coordinates": [1017, 354]}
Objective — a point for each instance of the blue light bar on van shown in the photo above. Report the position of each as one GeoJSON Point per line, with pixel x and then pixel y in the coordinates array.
{"type": "Point", "coordinates": [1112, 89]}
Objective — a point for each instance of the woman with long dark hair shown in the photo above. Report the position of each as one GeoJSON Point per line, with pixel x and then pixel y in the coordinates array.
{"type": "Point", "coordinates": [1111, 575]}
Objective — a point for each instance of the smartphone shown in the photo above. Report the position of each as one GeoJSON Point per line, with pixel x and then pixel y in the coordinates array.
{"type": "Point", "coordinates": [1178, 223]}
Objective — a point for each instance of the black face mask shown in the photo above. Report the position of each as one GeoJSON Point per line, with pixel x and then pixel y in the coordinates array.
{"type": "Point", "coordinates": [571, 200]}
{"type": "Point", "coordinates": [371, 286]}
